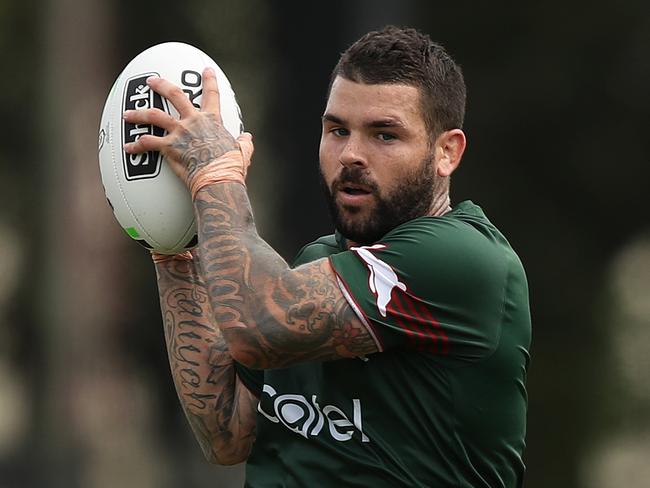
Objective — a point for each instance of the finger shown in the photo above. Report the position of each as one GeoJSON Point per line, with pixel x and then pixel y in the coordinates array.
{"type": "Point", "coordinates": [173, 93]}
{"type": "Point", "coordinates": [146, 143]}
{"type": "Point", "coordinates": [210, 99]}
{"type": "Point", "coordinates": [151, 116]}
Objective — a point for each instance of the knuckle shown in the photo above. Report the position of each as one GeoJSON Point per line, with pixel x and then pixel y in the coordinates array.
{"type": "Point", "coordinates": [176, 92]}
{"type": "Point", "coordinates": [146, 141]}
{"type": "Point", "coordinates": [143, 115]}
{"type": "Point", "coordinates": [141, 143]}
{"type": "Point", "coordinates": [156, 115]}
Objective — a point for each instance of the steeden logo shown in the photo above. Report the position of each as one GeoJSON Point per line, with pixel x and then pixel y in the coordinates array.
{"type": "Point", "coordinates": [138, 96]}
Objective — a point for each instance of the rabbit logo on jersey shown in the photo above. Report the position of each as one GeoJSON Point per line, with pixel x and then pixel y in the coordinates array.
{"type": "Point", "coordinates": [382, 277]}
{"type": "Point", "coordinates": [308, 418]}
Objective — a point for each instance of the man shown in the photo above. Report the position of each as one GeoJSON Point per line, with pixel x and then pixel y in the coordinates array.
{"type": "Point", "coordinates": [395, 352]}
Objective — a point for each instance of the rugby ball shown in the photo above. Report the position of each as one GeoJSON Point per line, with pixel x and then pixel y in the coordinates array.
{"type": "Point", "coordinates": [149, 201]}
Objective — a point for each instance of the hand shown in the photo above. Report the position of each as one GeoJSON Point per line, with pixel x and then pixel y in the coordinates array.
{"type": "Point", "coordinates": [198, 147]}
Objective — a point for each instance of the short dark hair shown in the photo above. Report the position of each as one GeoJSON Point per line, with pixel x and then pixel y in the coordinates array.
{"type": "Point", "coordinates": [406, 56]}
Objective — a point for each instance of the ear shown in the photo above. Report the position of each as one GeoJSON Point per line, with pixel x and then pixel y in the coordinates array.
{"type": "Point", "coordinates": [449, 149]}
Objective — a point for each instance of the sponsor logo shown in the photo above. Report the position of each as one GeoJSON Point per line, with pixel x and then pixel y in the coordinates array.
{"type": "Point", "coordinates": [308, 419]}
{"type": "Point", "coordinates": [138, 96]}
{"type": "Point", "coordinates": [382, 277]}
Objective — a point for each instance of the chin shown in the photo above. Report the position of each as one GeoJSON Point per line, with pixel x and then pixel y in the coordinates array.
{"type": "Point", "coordinates": [356, 212]}
{"type": "Point", "coordinates": [360, 230]}
{"type": "Point", "coordinates": [353, 220]}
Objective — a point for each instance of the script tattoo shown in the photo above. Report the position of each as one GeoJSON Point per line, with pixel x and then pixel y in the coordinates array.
{"type": "Point", "coordinates": [202, 142]}
{"type": "Point", "coordinates": [273, 316]}
{"type": "Point", "coordinates": [219, 408]}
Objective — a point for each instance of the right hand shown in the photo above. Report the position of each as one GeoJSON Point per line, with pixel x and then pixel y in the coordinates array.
{"type": "Point", "coordinates": [197, 139]}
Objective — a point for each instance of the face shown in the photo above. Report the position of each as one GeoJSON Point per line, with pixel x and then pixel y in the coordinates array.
{"type": "Point", "coordinates": [377, 161]}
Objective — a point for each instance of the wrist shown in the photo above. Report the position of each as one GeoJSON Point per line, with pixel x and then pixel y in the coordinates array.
{"type": "Point", "coordinates": [228, 168]}
{"type": "Point", "coordinates": [158, 258]}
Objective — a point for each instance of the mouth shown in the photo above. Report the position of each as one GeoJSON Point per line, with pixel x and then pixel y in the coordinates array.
{"type": "Point", "coordinates": [354, 189]}
{"type": "Point", "coordinates": [352, 194]}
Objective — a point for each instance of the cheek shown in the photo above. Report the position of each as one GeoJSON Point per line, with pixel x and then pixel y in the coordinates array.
{"type": "Point", "coordinates": [393, 168]}
{"type": "Point", "coordinates": [329, 165]}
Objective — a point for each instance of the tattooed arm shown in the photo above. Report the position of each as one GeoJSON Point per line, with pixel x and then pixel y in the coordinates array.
{"type": "Point", "coordinates": [219, 408]}
{"type": "Point", "coordinates": [270, 315]}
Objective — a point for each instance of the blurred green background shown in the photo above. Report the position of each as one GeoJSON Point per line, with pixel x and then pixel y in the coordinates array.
{"type": "Point", "coordinates": [558, 156]}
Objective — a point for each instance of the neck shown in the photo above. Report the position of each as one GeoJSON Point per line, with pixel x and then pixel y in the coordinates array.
{"type": "Point", "coordinates": [440, 205]}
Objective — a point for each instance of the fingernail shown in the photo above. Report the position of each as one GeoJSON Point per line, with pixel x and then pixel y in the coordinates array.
{"type": "Point", "coordinates": [126, 147]}
{"type": "Point", "coordinates": [210, 71]}
{"type": "Point", "coordinates": [126, 114]}
{"type": "Point", "coordinates": [152, 78]}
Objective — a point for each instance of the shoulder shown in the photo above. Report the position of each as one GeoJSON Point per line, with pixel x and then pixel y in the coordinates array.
{"type": "Point", "coordinates": [463, 237]}
{"type": "Point", "coordinates": [322, 247]}
{"type": "Point", "coordinates": [457, 239]}
{"type": "Point", "coordinates": [458, 254]}
{"type": "Point", "coordinates": [462, 228]}
{"type": "Point", "coordinates": [436, 281]}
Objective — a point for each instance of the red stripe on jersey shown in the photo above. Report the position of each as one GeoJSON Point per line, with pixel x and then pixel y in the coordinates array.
{"type": "Point", "coordinates": [398, 312]}
{"type": "Point", "coordinates": [428, 338]}
{"type": "Point", "coordinates": [407, 322]}
{"type": "Point", "coordinates": [436, 324]}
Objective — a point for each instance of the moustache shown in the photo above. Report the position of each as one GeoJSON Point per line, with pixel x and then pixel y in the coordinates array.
{"type": "Point", "coordinates": [354, 176]}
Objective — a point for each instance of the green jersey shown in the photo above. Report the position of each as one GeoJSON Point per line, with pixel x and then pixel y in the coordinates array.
{"type": "Point", "coordinates": [443, 404]}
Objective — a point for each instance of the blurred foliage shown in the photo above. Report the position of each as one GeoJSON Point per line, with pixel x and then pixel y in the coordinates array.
{"type": "Point", "coordinates": [558, 157]}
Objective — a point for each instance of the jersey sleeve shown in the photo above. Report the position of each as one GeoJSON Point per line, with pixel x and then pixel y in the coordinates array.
{"type": "Point", "coordinates": [432, 284]}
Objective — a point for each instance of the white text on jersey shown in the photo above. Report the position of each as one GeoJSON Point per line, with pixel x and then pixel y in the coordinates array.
{"type": "Point", "coordinates": [307, 419]}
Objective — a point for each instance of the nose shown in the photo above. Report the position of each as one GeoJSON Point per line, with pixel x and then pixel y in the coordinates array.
{"type": "Point", "coordinates": [353, 154]}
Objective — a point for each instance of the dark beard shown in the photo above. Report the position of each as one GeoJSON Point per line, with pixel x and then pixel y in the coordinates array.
{"type": "Point", "coordinates": [413, 198]}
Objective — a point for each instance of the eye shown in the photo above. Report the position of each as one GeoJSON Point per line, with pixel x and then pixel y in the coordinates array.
{"type": "Point", "coordinates": [385, 136]}
{"type": "Point", "coordinates": [339, 131]}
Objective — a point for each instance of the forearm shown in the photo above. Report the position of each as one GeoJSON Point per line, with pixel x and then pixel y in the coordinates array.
{"type": "Point", "coordinates": [238, 266]}
{"type": "Point", "coordinates": [270, 315]}
{"type": "Point", "coordinates": [218, 407]}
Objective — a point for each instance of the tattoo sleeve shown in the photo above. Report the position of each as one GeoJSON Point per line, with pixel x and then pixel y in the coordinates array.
{"type": "Point", "coordinates": [270, 315]}
{"type": "Point", "coordinates": [219, 408]}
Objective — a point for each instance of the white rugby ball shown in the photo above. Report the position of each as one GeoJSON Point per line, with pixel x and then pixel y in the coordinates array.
{"type": "Point", "coordinates": [149, 201]}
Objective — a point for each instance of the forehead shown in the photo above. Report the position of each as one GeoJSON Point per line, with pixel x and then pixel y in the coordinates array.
{"type": "Point", "coordinates": [351, 100]}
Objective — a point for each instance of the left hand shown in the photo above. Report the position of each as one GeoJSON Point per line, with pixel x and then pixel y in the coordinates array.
{"type": "Point", "coordinates": [195, 141]}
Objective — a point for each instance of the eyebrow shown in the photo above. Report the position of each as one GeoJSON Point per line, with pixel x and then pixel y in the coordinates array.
{"type": "Point", "coordinates": [379, 123]}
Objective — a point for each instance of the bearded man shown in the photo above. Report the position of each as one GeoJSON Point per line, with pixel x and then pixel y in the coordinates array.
{"type": "Point", "coordinates": [394, 352]}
